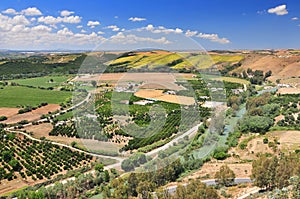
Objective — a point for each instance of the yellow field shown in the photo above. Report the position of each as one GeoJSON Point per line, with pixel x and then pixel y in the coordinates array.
{"type": "Point", "coordinates": [232, 79]}
{"type": "Point", "coordinates": [163, 58]}
{"type": "Point", "coordinates": [158, 95]}
{"type": "Point", "coordinates": [227, 58]}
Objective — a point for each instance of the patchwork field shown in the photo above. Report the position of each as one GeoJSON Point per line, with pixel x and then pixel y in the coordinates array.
{"type": "Point", "coordinates": [13, 96]}
{"type": "Point", "coordinates": [161, 80]}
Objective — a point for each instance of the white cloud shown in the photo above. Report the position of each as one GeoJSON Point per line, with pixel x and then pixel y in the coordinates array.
{"type": "Point", "coordinates": [66, 13]}
{"type": "Point", "coordinates": [213, 38]}
{"type": "Point", "coordinates": [83, 31]}
{"type": "Point", "coordinates": [161, 29]}
{"type": "Point", "coordinates": [17, 32]}
{"type": "Point", "coordinates": [295, 18]}
{"type": "Point", "coordinates": [20, 19]}
{"type": "Point", "coordinates": [80, 26]}
{"type": "Point", "coordinates": [42, 28]}
{"type": "Point", "coordinates": [113, 28]}
{"type": "Point", "coordinates": [49, 20]}
{"type": "Point", "coordinates": [116, 17]}
{"type": "Point", "coordinates": [55, 20]}
{"type": "Point", "coordinates": [65, 31]}
{"type": "Point", "coordinates": [72, 19]}
{"type": "Point", "coordinates": [190, 33]}
{"type": "Point", "coordinates": [134, 19]}
{"type": "Point", "coordinates": [93, 24]}
{"type": "Point", "coordinates": [121, 38]}
{"type": "Point", "coordinates": [279, 10]}
{"type": "Point", "coordinates": [10, 11]}
{"type": "Point", "coordinates": [33, 11]}
{"type": "Point", "coordinates": [100, 33]}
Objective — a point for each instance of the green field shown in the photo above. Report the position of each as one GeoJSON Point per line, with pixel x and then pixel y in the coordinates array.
{"type": "Point", "coordinates": [229, 79]}
{"type": "Point", "coordinates": [13, 96]}
{"type": "Point", "coordinates": [43, 81]}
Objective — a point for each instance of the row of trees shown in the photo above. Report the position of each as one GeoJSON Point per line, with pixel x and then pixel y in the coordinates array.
{"type": "Point", "coordinates": [17, 157]}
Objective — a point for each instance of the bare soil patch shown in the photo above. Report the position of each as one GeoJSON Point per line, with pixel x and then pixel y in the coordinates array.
{"type": "Point", "coordinates": [160, 96]}
{"type": "Point", "coordinates": [8, 112]}
{"type": "Point", "coordinates": [41, 130]}
{"type": "Point", "coordinates": [33, 115]}
{"type": "Point", "coordinates": [289, 91]}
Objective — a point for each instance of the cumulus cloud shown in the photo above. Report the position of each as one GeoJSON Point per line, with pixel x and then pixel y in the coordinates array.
{"type": "Point", "coordinates": [134, 19]}
{"type": "Point", "coordinates": [80, 26]}
{"type": "Point", "coordinates": [279, 10]}
{"type": "Point", "coordinates": [213, 38]}
{"type": "Point", "coordinates": [50, 20]}
{"type": "Point", "coordinates": [190, 33]}
{"type": "Point", "coordinates": [26, 35]}
{"type": "Point", "coordinates": [33, 11]}
{"type": "Point", "coordinates": [65, 31]}
{"type": "Point", "coordinates": [10, 11]}
{"type": "Point", "coordinates": [66, 13]}
{"type": "Point", "coordinates": [121, 38]}
{"type": "Point", "coordinates": [93, 24]}
{"type": "Point", "coordinates": [100, 33]}
{"type": "Point", "coordinates": [42, 28]}
{"type": "Point", "coordinates": [113, 28]}
{"type": "Point", "coordinates": [161, 29]}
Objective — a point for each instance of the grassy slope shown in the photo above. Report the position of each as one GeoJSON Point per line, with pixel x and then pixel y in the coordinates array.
{"type": "Point", "coordinates": [42, 81]}
{"type": "Point", "coordinates": [13, 96]}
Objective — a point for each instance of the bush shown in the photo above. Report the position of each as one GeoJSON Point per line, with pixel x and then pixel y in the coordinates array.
{"type": "Point", "coordinates": [3, 118]}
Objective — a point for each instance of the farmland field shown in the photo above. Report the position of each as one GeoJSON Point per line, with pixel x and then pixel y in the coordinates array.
{"type": "Point", "coordinates": [230, 79]}
{"type": "Point", "coordinates": [13, 96]}
{"type": "Point", "coordinates": [42, 81]}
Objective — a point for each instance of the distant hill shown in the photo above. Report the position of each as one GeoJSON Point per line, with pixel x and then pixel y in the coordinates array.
{"type": "Point", "coordinates": [283, 63]}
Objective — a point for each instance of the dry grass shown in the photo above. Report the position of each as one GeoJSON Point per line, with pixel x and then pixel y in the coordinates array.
{"type": "Point", "coordinates": [289, 91]}
{"type": "Point", "coordinates": [8, 112]}
{"type": "Point", "coordinates": [33, 115]}
{"type": "Point", "coordinates": [158, 95]}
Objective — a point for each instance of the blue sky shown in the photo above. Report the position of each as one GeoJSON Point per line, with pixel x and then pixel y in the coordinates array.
{"type": "Point", "coordinates": [214, 24]}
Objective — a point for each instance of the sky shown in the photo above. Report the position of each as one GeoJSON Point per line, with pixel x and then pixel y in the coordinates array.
{"type": "Point", "coordinates": [165, 24]}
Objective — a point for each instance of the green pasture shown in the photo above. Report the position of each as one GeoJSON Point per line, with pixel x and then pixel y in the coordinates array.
{"type": "Point", "coordinates": [13, 96]}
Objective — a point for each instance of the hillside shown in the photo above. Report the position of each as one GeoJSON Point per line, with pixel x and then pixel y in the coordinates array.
{"type": "Point", "coordinates": [283, 64]}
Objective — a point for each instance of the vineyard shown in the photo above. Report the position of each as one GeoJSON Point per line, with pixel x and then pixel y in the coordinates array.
{"type": "Point", "coordinates": [28, 159]}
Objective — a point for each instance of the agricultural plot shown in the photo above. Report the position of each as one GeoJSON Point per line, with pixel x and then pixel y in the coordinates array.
{"type": "Point", "coordinates": [176, 61]}
{"type": "Point", "coordinates": [24, 159]}
{"type": "Point", "coordinates": [43, 82]}
{"type": "Point", "coordinates": [13, 96]}
{"type": "Point", "coordinates": [158, 95]}
{"type": "Point", "coordinates": [32, 115]}
{"type": "Point", "coordinates": [229, 79]}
